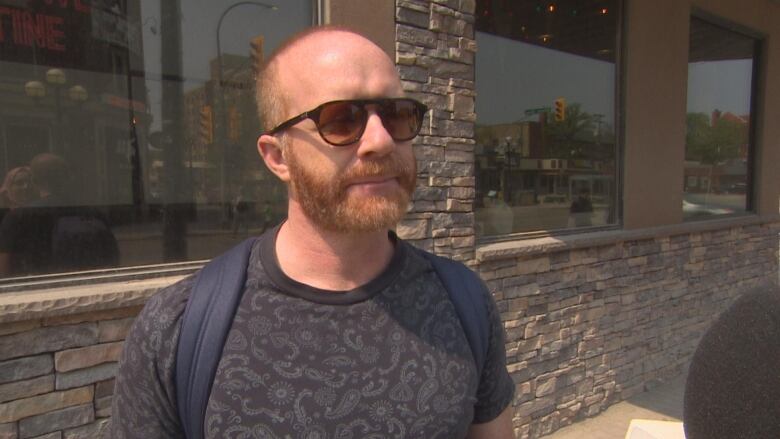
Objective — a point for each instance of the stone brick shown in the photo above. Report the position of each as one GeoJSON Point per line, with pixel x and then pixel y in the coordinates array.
{"type": "Point", "coordinates": [8, 431]}
{"type": "Point", "coordinates": [461, 55]}
{"type": "Point", "coordinates": [93, 316]}
{"type": "Point", "coordinates": [416, 5]}
{"type": "Point", "coordinates": [429, 153]}
{"type": "Point", "coordinates": [95, 430]}
{"type": "Point", "coordinates": [413, 229]}
{"type": "Point", "coordinates": [463, 181]}
{"type": "Point", "coordinates": [462, 193]}
{"type": "Point", "coordinates": [56, 420]}
{"type": "Point", "coordinates": [82, 377]}
{"type": "Point", "coordinates": [458, 156]}
{"type": "Point", "coordinates": [16, 327]}
{"type": "Point", "coordinates": [455, 128]}
{"type": "Point", "coordinates": [412, 17]}
{"type": "Point", "coordinates": [103, 406]}
{"type": "Point", "coordinates": [451, 4]}
{"type": "Point", "coordinates": [36, 405]}
{"type": "Point", "coordinates": [104, 388]}
{"type": "Point", "coordinates": [405, 59]}
{"type": "Point", "coordinates": [81, 358]}
{"type": "Point", "coordinates": [448, 24]}
{"type": "Point", "coordinates": [535, 406]}
{"type": "Point", "coordinates": [458, 206]}
{"type": "Point", "coordinates": [546, 387]}
{"type": "Point", "coordinates": [415, 36]}
{"type": "Point", "coordinates": [47, 339]}
{"type": "Point", "coordinates": [462, 241]}
{"type": "Point", "coordinates": [114, 330]}
{"type": "Point", "coordinates": [27, 367]}
{"type": "Point", "coordinates": [452, 69]}
{"type": "Point", "coordinates": [536, 265]}
{"type": "Point", "coordinates": [23, 389]}
{"type": "Point", "coordinates": [413, 73]}
{"type": "Point", "coordinates": [461, 105]}
{"type": "Point", "coordinates": [429, 193]}
{"type": "Point", "coordinates": [468, 6]}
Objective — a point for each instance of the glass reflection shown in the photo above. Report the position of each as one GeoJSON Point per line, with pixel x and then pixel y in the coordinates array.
{"type": "Point", "coordinates": [144, 111]}
{"type": "Point", "coordinates": [545, 136]}
{"type": "Point", "coordinates": [717, 153]}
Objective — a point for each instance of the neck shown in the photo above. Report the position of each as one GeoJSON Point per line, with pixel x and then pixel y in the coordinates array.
{"type": "Point", "coordinates": [330, 260]}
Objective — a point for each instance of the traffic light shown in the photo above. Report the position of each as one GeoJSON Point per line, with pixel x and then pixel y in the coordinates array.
{"type": "Point", "coordinates": [256, 53]}
{"type": "Point", "coordinates": [559, 110]}
{"type": "Point", "coordinates": [206, 124]}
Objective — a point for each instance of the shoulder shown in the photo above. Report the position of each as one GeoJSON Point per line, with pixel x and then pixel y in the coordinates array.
{"type": "Point", "coordinates": [166, 306]}
{"type": "Point", "coordinates": [155, 331]}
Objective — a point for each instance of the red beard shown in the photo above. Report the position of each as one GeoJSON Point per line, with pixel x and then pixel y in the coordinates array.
{"type": "Point", "coordinates": [326, 201]}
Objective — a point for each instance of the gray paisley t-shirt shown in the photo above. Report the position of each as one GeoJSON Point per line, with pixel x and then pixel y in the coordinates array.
{"type": "Point", "coordinates": [386, 360]}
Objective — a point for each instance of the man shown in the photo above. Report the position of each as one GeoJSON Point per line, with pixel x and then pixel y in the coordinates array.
{"type": "Point", "coordinates": [343, 330]}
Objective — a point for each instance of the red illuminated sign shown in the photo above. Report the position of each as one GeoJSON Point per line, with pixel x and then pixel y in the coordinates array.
{"type": "Point", "coordinates": [36, 29]}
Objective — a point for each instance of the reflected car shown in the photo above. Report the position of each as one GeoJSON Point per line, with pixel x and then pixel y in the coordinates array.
{"type": "Point", "coordinates": [692, 210]}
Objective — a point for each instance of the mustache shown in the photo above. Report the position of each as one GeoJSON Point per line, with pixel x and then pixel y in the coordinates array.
{"type": "Point", "coordinates": [389, 165]}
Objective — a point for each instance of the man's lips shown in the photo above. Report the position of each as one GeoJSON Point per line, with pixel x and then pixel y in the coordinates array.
{"type": "Point", "coordinates": [376, 179]}
{"type": "Point", "coordinates": [373, 182]}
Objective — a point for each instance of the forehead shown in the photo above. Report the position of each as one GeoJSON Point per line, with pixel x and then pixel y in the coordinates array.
{"type": "Point", "coordinates": [336, 65]}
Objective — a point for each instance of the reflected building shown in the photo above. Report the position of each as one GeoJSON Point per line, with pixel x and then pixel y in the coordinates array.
{"type": "Point", "coordinates": [79, 94]}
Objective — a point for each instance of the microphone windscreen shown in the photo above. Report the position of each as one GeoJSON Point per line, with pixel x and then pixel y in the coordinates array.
{"type": "Point", "coordinates": [733, 385]}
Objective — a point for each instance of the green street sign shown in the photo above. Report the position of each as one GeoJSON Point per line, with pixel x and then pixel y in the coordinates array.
{"type": "Point", "coordinates": [532, 111]}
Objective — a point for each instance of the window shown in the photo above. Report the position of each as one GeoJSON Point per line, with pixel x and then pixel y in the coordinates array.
{"type": "Point", "coordinates": [128, 129]}
{"type": "Point", "coordinates": [546, 116]}
{"type": "Point", "coordinates": [722, 65]}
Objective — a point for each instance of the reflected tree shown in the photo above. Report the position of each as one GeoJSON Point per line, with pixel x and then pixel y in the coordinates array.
{"type": "Point", "coordinates": [714, 143]}
{"type": "Point", "coordinates": [566, 138]}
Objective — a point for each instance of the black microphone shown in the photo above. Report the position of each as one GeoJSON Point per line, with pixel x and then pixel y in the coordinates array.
{"type": "Point", "coordinates": [733, 385]}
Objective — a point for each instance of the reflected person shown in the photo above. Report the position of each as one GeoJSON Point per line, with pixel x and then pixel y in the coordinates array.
{"type": "Point", "coordinates": [18, 189]}
{"type": "Point", "coordinates": [581, 210]}
{"type": "Point", "coordinates": [53, 234]}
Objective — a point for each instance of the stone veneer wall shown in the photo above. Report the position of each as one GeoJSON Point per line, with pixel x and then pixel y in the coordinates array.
{"type": "Point", "coordinates": [590, 319]}
{"type": "Point", "coordinates": [435, 55]}
{"type": "Point", "coordinates": [590, 326]}
{"type": "Point", "coordinates": [56, 374]}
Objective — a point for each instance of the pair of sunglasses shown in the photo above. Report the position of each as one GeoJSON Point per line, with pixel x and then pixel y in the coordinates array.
{"type": "Point", "coordinates": [342, 123]}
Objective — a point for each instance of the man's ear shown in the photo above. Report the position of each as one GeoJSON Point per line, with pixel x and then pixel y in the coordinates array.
{"type": "Point", "coordinates": [270, 149]}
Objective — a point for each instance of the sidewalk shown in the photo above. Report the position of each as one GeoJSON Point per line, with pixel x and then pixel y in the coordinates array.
{"type": "Point", "coordinates": [664, 403]}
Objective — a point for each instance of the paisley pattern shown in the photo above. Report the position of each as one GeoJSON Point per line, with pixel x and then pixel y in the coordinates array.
{"type": "Point", "coordinates": [387, 360]}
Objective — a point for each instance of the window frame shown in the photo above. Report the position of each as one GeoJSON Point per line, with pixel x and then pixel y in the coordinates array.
{"type": "Point", "coordinates": [619, 87]}
{"type": "Point", "coordinates": [756, 86]}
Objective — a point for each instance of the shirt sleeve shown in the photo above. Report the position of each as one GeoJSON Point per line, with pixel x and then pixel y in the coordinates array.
{"type": "Point", "coordinates": [144, 404]}
{"type": "Point", "coordinates": [496, 387]}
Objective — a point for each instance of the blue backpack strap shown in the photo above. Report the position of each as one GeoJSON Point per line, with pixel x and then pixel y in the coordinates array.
{"type": "Point", "coordinates": [467, 293]}
{"type": "Point", "coordinates": [207, 319]}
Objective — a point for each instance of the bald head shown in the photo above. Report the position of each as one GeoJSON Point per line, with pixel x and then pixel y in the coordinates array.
{"type": "Point", "coordinates": [343, 59]}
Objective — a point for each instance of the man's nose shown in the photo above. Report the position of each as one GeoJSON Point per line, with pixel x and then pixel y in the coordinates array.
{"type": "Point", "coordinates": [376, 141]}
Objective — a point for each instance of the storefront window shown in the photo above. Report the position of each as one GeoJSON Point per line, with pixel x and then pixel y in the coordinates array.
{"type": "Point", "coordinates": [721, 68]}
{"type": "Point", "coordinates": [128, 130]}
{"type": "Point", "coordinates": [546, 116]}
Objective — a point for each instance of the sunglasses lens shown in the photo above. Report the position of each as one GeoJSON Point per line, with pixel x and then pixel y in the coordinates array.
{"type": "Point", "coordinates": [402, 118]}
{"type": "Point", "coordinates": [342, 123]}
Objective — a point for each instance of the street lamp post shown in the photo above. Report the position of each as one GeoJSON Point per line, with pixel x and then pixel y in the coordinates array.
{"type": "Point", "coordinates": [56, 78]}
{"type": "Point", "coordinates": [222, 125]}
